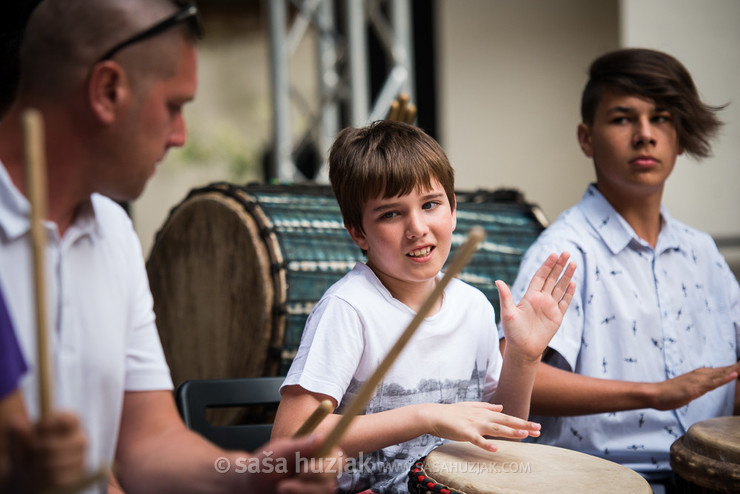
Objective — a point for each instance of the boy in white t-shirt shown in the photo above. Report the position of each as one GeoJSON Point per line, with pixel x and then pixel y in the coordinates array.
{"type": "Point", "coordinates": [395, 188]}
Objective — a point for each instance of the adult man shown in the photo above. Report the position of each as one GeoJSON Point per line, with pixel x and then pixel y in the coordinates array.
{"type": "Point", "coordinates": [650, 343]}
{"type": "Point", "coordinates": [111, 78]}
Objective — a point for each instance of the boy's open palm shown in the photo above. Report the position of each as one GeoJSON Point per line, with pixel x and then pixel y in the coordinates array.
{"type": "Point", "coordinates": [529, 326]}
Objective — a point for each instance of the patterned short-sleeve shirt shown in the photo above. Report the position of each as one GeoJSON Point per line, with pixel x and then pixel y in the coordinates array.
{"type": "Point", "coordinates": [639, 314]}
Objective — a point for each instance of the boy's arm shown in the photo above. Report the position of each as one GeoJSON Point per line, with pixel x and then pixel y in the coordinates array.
{"type": "Point", "coordinates": [528, 327]}
{"type": "Point", "coordinates": [467, 421]}
{"type": "Point", "coordinates": [561, 392]}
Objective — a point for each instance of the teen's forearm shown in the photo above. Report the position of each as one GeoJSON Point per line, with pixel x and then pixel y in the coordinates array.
{"type": "Point", "coordinates": [560, 392]}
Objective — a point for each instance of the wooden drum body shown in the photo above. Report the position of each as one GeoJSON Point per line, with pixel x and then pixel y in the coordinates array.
{"type": "Point", "coordinates": [235, 270]}
{"type": "Point", "coordinates": [520, 468]}
{"type": "Point", "coordinates": [707, 458]}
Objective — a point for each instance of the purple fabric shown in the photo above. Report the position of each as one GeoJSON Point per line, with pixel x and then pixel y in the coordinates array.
{"type": "Point", "coordinates": [12, 364]}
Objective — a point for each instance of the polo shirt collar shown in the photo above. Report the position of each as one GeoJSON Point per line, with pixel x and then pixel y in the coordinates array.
{"type": "Point", "coordinates": [14, 221]}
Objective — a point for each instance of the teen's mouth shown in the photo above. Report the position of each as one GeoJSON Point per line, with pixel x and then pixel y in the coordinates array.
{"type": "Point", "coordinates": [424, 251]}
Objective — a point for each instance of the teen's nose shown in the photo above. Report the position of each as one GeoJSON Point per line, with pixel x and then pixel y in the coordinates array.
{"type": "Point", "coordinates": [644, 133]}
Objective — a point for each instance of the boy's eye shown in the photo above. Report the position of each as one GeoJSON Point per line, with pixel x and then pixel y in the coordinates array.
{"type": "Point", "coordinates": [430, 205]}
{"type": "Point", "coordinates": [388, 215]}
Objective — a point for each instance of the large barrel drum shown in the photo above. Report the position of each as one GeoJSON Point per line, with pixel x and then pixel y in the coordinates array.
{"type": "Point", "coordinates": [235, 270]}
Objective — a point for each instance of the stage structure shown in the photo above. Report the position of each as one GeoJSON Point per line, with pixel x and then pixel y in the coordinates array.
{"type": "Point", "coordinates": [341, 32]}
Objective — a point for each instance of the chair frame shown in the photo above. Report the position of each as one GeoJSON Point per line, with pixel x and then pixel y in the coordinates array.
{"type": "Point", "coordinates": [194, 396]}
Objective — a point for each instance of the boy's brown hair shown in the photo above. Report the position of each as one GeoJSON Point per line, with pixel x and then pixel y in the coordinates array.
{"type": "Point", "coordinates": [387, 159]}
{"type": "Point", "coordinates": [660, 77]}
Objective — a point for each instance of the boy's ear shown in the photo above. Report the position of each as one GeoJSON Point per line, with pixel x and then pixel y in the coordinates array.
{"type": "Point", "coordinates": [358, 237]}
{"type": "Point", "coordinates": [584, 139]}
{"type": "Point", "coordinates": [454, 214]}
{"type": "Point", "coordinates": [108, 89]}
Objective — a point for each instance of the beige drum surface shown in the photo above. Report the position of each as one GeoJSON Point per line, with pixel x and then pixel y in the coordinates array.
{"type": "Point", "coordinates": [527, 468]}
{"type": "Point", "coordinates": [708, 456]}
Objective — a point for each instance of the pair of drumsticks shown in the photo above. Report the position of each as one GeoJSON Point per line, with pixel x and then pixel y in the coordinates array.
{"type": "Point", "coordinates": [36, 178]}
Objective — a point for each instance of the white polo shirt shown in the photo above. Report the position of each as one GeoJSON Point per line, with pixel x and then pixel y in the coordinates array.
{"type": "Point", "coordinates": [101, 318]}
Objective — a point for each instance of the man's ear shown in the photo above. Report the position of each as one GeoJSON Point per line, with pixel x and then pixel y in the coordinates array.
{"type": "Point", "coordinates": [358, 237]}
{"type": "Point", "coordinates": [584, 139]}
{"type": "Point", "coordinates": [108, 89]}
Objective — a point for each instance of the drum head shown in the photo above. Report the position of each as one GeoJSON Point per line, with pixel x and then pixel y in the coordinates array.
{"type": "Point", "coordinates": [525, 468]}
{"type": "Point", "coordinates": [213, 308]}
{"type": "Point", "coordinates": [708, 455]}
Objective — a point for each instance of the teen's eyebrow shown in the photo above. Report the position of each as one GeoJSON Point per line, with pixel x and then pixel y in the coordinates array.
{"type": "Point", "coordinates": [620, 109]}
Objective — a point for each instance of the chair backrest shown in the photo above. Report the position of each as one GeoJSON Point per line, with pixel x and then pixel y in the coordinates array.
{"type": "Point", "coordinates": [194, 396]}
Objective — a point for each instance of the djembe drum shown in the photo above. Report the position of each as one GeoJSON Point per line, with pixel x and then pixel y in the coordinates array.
{"type": "Point", "coordinates": [464, 468]}
{"type": "Point", "coordinates": [707, 458]}
{"type": "Point", "coordinates": [235, 270]}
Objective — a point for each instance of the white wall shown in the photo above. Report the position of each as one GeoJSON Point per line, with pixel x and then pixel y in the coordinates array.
{"type": "Point", "coordinates": [511, 74]}
{"type": "Point", "coordinates": [705, 36]}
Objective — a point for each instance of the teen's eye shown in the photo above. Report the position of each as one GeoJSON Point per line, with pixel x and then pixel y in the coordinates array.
{"type": "Point", "coordinates": [388, 215]}
{"type": "Point", "coordinates": [430, 205]}
{"type": "Point", "coordinates": [620, 120]}
{"type": "Point", "coordinates": [665, 118]}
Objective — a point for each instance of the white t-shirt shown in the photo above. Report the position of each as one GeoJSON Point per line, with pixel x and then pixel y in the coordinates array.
{"type": "Point", "coordinates": [103, 336]}
{"type": "Point", "coordinates": [452, 357]}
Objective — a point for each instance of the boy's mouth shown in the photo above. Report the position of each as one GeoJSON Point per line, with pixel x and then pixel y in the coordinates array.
{"type": "Point", "coordinates": [424, 251]}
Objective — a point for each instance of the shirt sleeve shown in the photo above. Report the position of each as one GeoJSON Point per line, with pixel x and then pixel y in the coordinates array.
{"type": "Point", "coordinates": [12, 363]}
{"type": "Point", "coordinates": [146, 366]}
{"type": "Point", "coordinates": [331, 347]}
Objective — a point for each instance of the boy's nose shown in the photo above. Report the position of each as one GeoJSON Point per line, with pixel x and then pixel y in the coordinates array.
{"type": "Point", "coordinates": [416, 226]}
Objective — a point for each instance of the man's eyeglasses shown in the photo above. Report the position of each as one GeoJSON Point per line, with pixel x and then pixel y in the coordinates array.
{"type": "Point", "coordinates": [188, 13]}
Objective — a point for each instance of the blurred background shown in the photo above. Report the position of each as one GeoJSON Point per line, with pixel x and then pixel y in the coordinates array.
{"type": "Point", "coordinates": [496, 82]}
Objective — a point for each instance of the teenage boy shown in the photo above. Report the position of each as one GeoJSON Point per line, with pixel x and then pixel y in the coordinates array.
{"type": "Point", "coordinates": [650, 343]}
{"type": "Point", "coordinates": [395, 188]}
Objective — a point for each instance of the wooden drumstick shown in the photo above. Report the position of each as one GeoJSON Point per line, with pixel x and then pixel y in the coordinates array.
{"type": "Point", "coordinates": [33, 132]}
{"type": "Point", "coordinates": [315, 419]}
{"type": "Point", "coordinates": [475, 237]}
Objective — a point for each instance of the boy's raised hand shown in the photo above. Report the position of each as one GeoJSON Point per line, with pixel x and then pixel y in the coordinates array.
{"type": "Point", "coordinates": [529, 326]}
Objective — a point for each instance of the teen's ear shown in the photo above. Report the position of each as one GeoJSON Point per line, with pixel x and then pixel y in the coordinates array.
{"type": "Point", "coordinates": [358, 237]}
{"type": "Point", "coordinates": [584, 139]}
{"type": "Point", "coordinates": [108, 89]}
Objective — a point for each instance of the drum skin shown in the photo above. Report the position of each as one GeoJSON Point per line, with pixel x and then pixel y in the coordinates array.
{"type": "Point", "coordinates": [235, 270]}
{"type": "Point", "coordinates": [707, 458]}
{"type": "Point", "coordinates": [517, 467]}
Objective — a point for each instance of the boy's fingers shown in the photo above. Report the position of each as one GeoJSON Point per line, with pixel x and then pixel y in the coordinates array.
{"type": "Point", "coordinates": [506, 301]}
{"type": "Point", "coordinates": [552, 277]}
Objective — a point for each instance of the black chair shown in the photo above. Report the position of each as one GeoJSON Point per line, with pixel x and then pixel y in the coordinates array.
{"type": "Point", "coordinates": [194, 396]}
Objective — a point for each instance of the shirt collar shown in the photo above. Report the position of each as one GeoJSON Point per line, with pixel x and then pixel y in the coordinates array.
{"type": "Point", "coordinates": [14, 220]}
{"type": "Point", "coordinates": [616, 232]}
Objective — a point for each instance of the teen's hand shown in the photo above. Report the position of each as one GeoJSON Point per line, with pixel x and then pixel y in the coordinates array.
{"type": "Point", "coordinates": [529, 326]}
{"type": "Point", "coordinates": [677, 392]}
